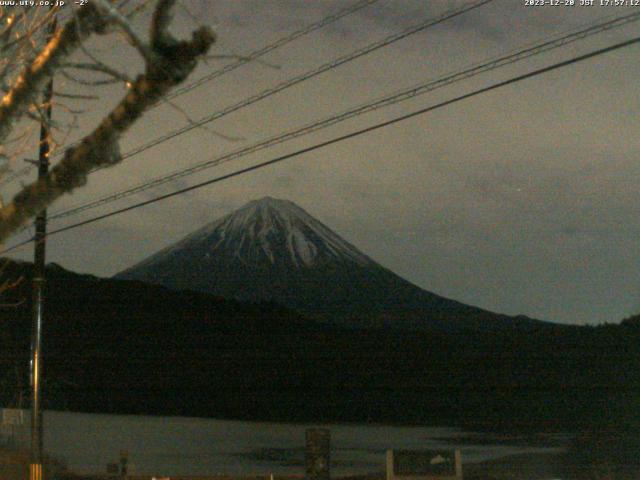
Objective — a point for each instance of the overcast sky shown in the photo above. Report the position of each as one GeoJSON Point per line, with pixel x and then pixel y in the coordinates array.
{"type": "Point", "coordinates": [521, 201]}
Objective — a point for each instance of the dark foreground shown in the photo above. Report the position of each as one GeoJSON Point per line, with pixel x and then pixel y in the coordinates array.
{"type": "Point", "coordinates": [122, 347]}
{"type": "Point", "coordinates": [572, 465]}
{"type": "Point", "coordinates": [129, 348]}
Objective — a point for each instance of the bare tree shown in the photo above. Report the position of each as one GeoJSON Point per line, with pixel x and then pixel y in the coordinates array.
{"type": "Point", "coordinates": [29, 60]}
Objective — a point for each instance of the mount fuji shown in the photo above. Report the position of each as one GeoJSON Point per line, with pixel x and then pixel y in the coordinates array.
{"type": "Point", "coordinates": [273, 250]}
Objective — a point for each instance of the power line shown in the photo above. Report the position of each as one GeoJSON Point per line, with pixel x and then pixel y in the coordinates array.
{"type": "Point", "coordinates": [289, 83]}
{"type": "Point", "coordinates": [307, 75]}
{"type": "Point", "coordinates": [341, 138]}
{"type": "Point", "coordinates": [238, 63]}
{"type": "Point", "coordinates": [269, 48]}
{"type": "Point", "coordinates": [406, 94]}
{"type": "Point", "coordinates": [303, 77]}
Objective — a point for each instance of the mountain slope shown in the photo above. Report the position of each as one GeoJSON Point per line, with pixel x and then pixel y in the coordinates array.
{"type": "Point", "coordinates": [127, 347]}
{"type": "Point", "coordinates": [272, 249]}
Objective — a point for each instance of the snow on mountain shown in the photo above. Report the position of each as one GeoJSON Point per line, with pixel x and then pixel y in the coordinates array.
{"type": "Point", "coordinates": [269, 230]}
{"type": "Point", "coordinates": [273, 250]}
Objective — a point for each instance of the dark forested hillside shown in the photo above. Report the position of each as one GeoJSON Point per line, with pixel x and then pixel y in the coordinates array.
{"type": "Point", "coordinates": [127, 347]}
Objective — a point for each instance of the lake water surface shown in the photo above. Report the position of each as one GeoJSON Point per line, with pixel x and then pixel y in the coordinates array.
{"type": "Point", "coordinates": [197, 446]}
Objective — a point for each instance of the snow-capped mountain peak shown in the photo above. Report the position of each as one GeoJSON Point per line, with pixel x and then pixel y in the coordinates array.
{"type": "Point", "coordinates": [264, 227]}
{"type": "Point", "coordinates": [273, 250]}
{"type": "Point", "coordinates": [269, 231]}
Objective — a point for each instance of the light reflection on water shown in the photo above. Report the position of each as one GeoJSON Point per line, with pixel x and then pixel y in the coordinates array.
{"type": "Point", "coordinates": [196, 446]}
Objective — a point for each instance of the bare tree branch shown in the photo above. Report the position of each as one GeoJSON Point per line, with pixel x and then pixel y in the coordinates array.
{"type": "Point", "coordinates": [33, 78]}
{"type": "Point", "coordinates": [191, 121]}
{"type": "Point", "coordinates": [10, 285]}
{"type": "Point", "coordinates": [142, 5]}
{"type": "Point", "coordinates": [75, 96]}
{"type": "Point", "coordinates": [92, 83]}
{"type": "Point", "coordinates": [160, 36]}
{"type": "Point", "coordinates": [100, 67]}
{"type": "Point", "coordinates": [173, 61]}
{"type": "Point", "coordinates": [116, 17]}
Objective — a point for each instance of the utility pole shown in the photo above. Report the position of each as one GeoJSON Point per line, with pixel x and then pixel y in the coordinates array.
{"type": "Point", "coordinates": [36, 467]}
